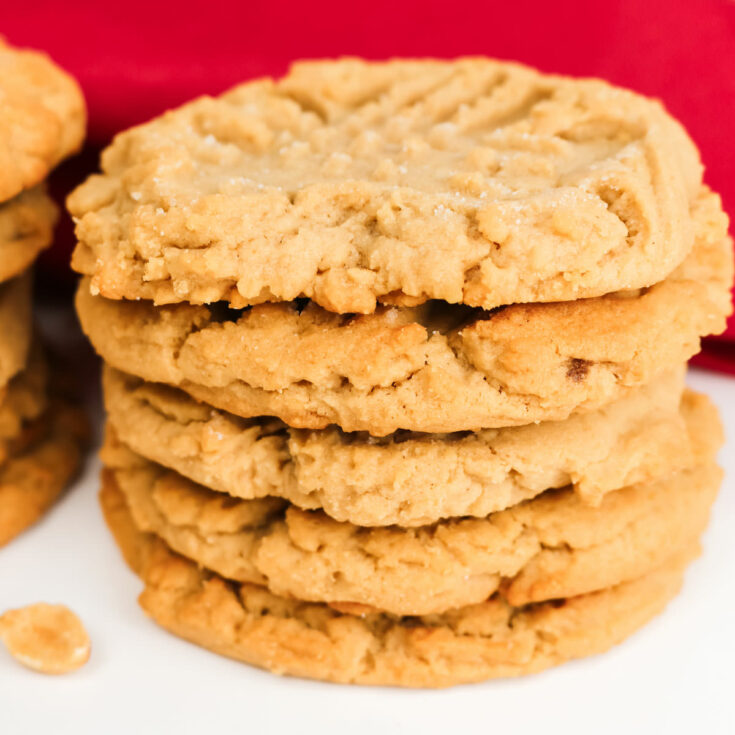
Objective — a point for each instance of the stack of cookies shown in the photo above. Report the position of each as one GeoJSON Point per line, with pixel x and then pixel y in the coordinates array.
{"type": "Point", "coordinates": [42, 120]}
{"type": "Point", "coordinates": [395, 362]}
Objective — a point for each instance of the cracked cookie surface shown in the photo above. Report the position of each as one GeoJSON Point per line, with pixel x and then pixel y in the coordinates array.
{"type": "Point", "coordinates": [412, 479]}
{"type": "Point", "coordinates": [432, 368]}
{"type": "Point", "coordinates": [43, 118]}
{"type": "Point", "coordinates": [474, 643]}
{"type": "Point", "coordinates": [549, 547]}
{"type": "Point", "coordinates": [351, 182]}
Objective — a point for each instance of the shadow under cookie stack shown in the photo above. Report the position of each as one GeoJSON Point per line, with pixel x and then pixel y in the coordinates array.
{"type": "Point", "coordinates": [42, 121]}
{"type": "Point", "coordinates": [395, 360]}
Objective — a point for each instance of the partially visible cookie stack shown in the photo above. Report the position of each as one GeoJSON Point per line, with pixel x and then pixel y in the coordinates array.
{"type": "Point", "coordinates": [42, 121]}
{"type": "Point", "coordinates": [395, 366]}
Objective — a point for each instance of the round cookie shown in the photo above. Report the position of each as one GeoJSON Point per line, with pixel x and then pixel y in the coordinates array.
{"type": "Point", "coordinates": [484, 641]}
{"type": "Point", "coordinates": [26, 228]}
{"type": "Point", "coordinates": [435, 368]}
{"type": "Point", "coordinates": [17, 327]}
{"type": "Point", "coordinates": [43, 120]}
{"type": "Point", "coordinates": [46, 460]}
{"type": "Point", "coordinates": [414, 479]}
{"type": "Point", "coordinates": [471, 181]}
{"type": "Point", "coordinates": [552, 546]}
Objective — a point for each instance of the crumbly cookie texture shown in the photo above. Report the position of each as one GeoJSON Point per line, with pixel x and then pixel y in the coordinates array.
{"type": "Point", "coordinates": [23, 400]}
{"type": "Point", "coordinates": [47, 458]}
{"type": "Point", "coordinates": [414, 479]}
{"type": "Point", "coordinates": [17, 327]}
{"type": "Point", "coordinates": [47, 638]}
{"type": "Point", "coordinates": [550, 547]}
{"type": "Point", "coordinates": [43, 118]}
{"type": "Point", "coordinates": [484, 641]}
{"type": "Point", "coordinates": [350, 182]}
{"type": "Point", "coordinates": [434, 368]}
{"type": "Point", "coordinates": [26, 228]}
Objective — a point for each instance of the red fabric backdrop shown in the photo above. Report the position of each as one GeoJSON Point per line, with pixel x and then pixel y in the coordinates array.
{"type": "Point", "coordinates": [138, 58]}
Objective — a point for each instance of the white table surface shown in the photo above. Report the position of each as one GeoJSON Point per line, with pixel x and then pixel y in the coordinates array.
{"type": "Point", "coordinates": [676, 675]}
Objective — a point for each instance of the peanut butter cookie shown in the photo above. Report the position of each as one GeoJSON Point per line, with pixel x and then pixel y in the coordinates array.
{"type": "Point", "coordinates": [350, 182]}
{"type": "Point", "coordinates": [484, 641]}
{"type": "Point", "coordinates": [46, 457]}
{"type": "Point", "coordinates": [434, 368]}
{"type": "Point", "coordinates": [17, 327]}
{"type": "Point", "coordinates": [43, 118]}
{"type": "Point", "coordinates": [413, 479]}
{"type": "Point", "coordinates": [23, 400]}
{"type": "Point", "coordinates": [549, 547]}
{"type": "Point", "coordinates": [26, 228]}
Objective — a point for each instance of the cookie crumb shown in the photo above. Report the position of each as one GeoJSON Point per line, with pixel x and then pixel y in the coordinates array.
{"type": "Point", "coordinates": [46, 638]}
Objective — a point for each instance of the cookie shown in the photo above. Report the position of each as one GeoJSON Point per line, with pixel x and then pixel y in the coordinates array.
{"type": "Point", "coordinates": [349, 182]}
{"type": "Point", "coordinates": [484, 641]}
{"type": "Point", "coordinates": [414, 479]}
{"type": "Point", "coordinates": [34, 477]}
{"type": "Point", "coordinates": [26, 228]}
{"type": "Point", "coordinates": [43, 120]}
{"type": "Point", "coordinates": [22, 400]}
{"type": "Point", "coordinates": [435, 368]}
{"type": "Point", "coordinates": [16, 327]}
{"type": "Point", "coordinates": [552, 546]}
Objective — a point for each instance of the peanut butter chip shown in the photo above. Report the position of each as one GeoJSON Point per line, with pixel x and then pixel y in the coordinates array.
{"type": "Point", "coordinates": [46, 638]}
